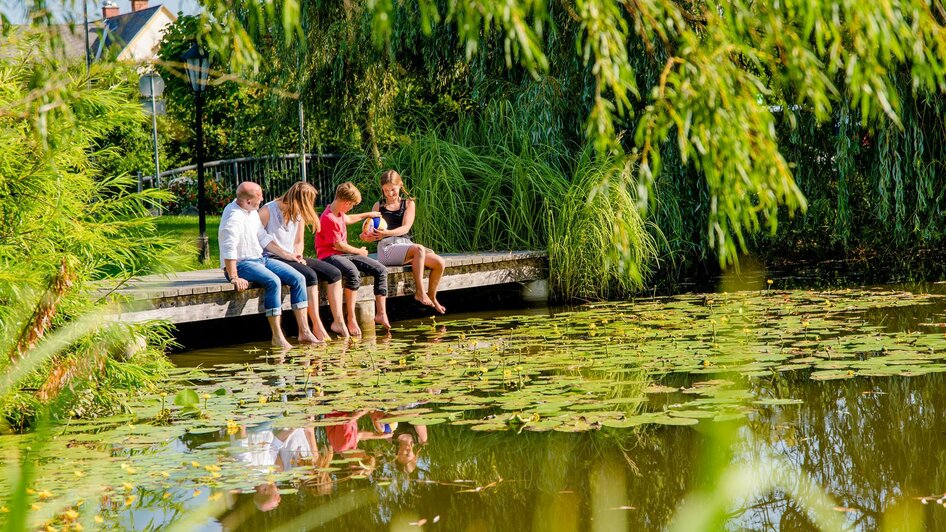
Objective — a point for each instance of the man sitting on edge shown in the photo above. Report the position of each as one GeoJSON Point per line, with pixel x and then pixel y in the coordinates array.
{"type": "Point", "coordinates": [242, 239]}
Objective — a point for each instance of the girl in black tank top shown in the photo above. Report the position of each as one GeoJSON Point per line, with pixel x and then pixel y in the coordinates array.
{"type": "Point", "coordinates": [395, 218]}
{"type": "Point", "coordinates": [396, 248]}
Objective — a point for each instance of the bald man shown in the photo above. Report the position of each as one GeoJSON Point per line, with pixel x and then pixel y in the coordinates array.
{"type": "Point", "coordinates": [242, 239]}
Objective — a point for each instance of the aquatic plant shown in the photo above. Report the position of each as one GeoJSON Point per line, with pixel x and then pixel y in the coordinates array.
{"type": "Point", "coordinates": [612, 375]}
{"type": "Point", "coordinates": [600, 245]}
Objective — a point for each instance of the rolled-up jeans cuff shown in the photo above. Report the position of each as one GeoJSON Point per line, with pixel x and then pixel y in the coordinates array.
{"type": "Point", "coordinates": [273, 312]}
{"type": "Point", "coordinates": [300, 305]}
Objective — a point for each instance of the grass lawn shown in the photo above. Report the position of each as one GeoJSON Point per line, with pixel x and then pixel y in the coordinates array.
{"type": "Point", "coordinates": [184, 230]}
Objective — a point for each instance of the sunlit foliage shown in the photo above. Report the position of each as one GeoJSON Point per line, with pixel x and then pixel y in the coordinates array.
{"type": "Point", "coordinates": [724, 67]}
{"type": "Point", "coordinates": [63, 225]}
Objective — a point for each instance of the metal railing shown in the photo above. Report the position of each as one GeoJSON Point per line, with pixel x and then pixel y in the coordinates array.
{"type": "Point", "coordinates": [275, 174]}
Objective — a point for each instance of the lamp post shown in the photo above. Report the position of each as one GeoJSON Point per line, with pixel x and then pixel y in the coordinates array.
{"type": "Point", "coordinates": [85, 25]}
{"type": "Point", "coordinates": [151, 87]}
{"type": "Point", "coordinates": [198, 68]}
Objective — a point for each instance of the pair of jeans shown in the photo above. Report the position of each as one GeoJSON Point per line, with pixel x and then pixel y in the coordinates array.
{"type": "Point", "coordinates": [351, 265]}
{"type": "Point", "coordinates": [271, 275]}
{"type": "Point", "coordinates": [314, 270]}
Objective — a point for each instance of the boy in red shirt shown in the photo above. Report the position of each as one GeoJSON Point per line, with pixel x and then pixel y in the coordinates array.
{"type": "Point", "coordinates": [331, 246]}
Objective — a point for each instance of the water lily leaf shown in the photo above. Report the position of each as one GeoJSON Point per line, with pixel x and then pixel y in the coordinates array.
{"type": "Point", "coordinates": [632, 421]}
{"type": "Point", "coordinates": [660, 389]}
{"type": "Point", "coordinates": [695, 414]}
{"type": "Point", "coordinates": [792, 367]}
{"type": "Point", "coordinates": [542, 425]}
{"type": "Point", "coordinates": [672, 420]}
{"type": "Point", "coordinates": [492, 426]}
{"type": "Point", "coordinates": [186, 398]}
{"type": "Point", "coordinates": [202, 430]}
{"type": "Point", "coordinates": [831, 375]}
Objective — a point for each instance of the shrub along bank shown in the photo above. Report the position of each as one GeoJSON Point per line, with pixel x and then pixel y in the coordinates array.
{"type": "Point", "coordinates": [65, 222]}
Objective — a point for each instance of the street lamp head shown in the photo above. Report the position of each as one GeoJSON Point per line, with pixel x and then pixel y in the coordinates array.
{"type": "Point", "coordinates": [198, 67]}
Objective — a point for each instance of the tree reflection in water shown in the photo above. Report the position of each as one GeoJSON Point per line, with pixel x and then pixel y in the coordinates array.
{"type": "Point", "coordinates": [871, 442]}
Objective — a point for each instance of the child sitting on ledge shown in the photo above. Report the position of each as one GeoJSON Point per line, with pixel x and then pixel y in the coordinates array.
{"type": "Point", "coordinates": [331, 245]}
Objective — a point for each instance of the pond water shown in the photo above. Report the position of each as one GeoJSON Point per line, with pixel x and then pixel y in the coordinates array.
{"type": "Point", "coordinates": [751, 409]}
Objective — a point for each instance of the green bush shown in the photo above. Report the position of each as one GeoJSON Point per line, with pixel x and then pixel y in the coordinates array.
{"type": "Point", "coordinates": [184, 190]}
{"type": "Point", "coordinates": [68, 225]}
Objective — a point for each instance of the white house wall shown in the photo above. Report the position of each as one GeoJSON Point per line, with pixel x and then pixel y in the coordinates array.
{"type": "Point", "coordinates": [143, 48]}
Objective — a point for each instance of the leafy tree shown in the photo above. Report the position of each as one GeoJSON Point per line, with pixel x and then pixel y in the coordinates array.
{"type": "Point", "coordinates": [695, 81]}
{"type": "Point", "coordinates": [236, 124]}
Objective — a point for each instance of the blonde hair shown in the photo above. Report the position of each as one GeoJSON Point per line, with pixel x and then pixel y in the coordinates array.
{"type": "Point", "coordinates": [347, 191]}
{"type": "Point", "coordinates": [392, 177]}
{"type": "Point", "coordinates": [299, 203]}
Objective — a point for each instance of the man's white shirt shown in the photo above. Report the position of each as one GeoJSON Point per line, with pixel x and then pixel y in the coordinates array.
{"type": "Point", "coordinates": [241, 235]}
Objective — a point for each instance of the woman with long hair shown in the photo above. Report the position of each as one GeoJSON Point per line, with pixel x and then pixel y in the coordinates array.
{"type": "Point", "coordinates": [286, 218]}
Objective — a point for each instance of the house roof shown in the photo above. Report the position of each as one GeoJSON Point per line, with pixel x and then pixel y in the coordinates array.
{"type": "Point", "coordinates": [73, 38]}
{"type": "Point", "coordinates": [118, 32]}
{"type": "Point", "coordinates": [113, 34]}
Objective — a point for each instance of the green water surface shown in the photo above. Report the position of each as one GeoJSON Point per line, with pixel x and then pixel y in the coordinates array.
{"type": "Point", "coordinates": [604, 416]}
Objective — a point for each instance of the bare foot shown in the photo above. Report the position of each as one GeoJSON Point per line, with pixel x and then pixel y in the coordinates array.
{"type": "Point", "coordinates": [438, 307]}
{"type": "Point", "coordinates": [353, 328]}
{"type": "Point", "coordinates": [382, 320]}
{"type": "Point", "coordinates": [322, 334]}
{"type": "Point", "coordinates": [280, 341]}
{"type": "Point", "coordinates": [339, 328]}
{"type": "Point", "coordinates": [309, 338]}
{"type": "Point", "coordinates": [423, 299]}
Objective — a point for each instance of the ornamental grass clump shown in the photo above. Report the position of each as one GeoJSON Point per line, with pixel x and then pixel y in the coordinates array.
{"type": "Point", "coordinates": [600, 245]}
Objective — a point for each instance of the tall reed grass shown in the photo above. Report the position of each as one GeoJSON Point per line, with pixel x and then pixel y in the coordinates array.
{"type": "Point", "coordinates": [600, 245]}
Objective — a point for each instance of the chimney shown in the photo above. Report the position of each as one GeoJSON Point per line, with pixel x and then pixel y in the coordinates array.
{"type": "Point", "coordinates": [109, 9]}
{"type": "Point", "coordinates": [138, 5]}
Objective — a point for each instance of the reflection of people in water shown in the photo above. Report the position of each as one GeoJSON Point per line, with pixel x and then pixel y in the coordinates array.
{"type": "Point", "coordinates": [321, 482]}
{"type": "Point", "coordinates": [346, 435]}
{"type": "Point", "coordinates": [266, 496]}
{"type": "Point", "coordinates": [405, 437]}
{"type": "Point", "coordinates": [281, 450]}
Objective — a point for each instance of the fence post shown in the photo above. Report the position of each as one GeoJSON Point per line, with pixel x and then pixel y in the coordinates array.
{"type": "Point", "coordinates": [265, 178]}
{"type": "Point", "coordinates": [138, 173]}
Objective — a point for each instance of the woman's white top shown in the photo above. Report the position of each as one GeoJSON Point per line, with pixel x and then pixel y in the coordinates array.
{"type": "Point", "coordinates": [283, 232]}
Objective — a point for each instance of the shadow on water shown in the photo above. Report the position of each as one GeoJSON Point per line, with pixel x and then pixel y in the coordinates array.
{"type": "Point", "coordinates": [224, 334]}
